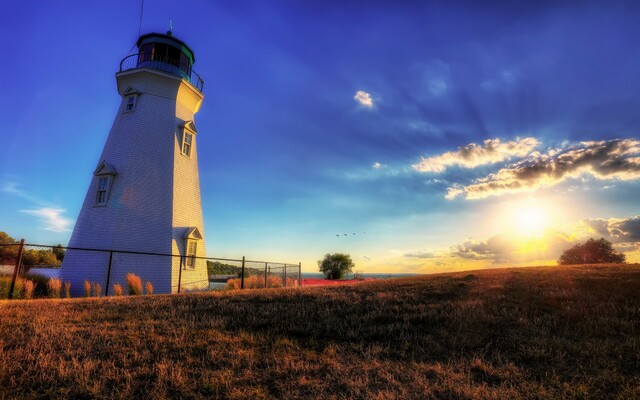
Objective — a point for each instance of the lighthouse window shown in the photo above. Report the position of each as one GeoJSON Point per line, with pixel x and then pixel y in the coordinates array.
{"type": "Point", "coordinates": [192, 247]}
{"type": "Point", "coordinates": [131, 103]}
{"type": "Point", "coordinates": [187, 141]}
{"type": "Point", "coordinates": [103, 191]}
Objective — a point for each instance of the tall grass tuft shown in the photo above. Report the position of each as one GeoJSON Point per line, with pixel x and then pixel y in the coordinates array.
{"type": "Point", "coordinates": [117, 289]}
{"type": "Point", "coordinates": [5, 285]}
{"type": "Point", "coordinates": [257, 282]}
{"type": "Point", "coordinates": [148, 287]}
{"type": "Point", "coordinates": [97, 290]}
{"type": "Point", "coordinates": [134, 284]}
{"type": "Point", "coordinates": [28, 289]}
{"type": "Point", "coordinates": [66, 289]}
{"type": "Point", "coordinates": [53, 288]}
{"type": "Point", "coordinates": [87, 289]}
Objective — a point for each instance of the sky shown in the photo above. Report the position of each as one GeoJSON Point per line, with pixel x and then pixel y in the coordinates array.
{"type": "Point", "coordinates": [417, 136]}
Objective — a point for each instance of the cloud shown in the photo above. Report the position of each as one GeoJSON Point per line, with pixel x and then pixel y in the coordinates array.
{"type": "Point", "coordinates": [51, 218]}
{"type": "Point", "coordinates": [363, 98]}
{"type": "Point", "coordinates": [420, 254]}
{"type": "Point", "coordinates": [606, 159]}
{"type": "Point", "coordinates": [377, 165]}
{"type": "Point", "coordinates": [507, 248]}
{"type": "Point", "coordinates": [497, 247]}
{"type": "Point", "coordinates": [437, 87]}
{"type": "Point", "coordinates": [473, 155]}
{"type": "Point", "coordinates": [618, 230]}
{"type": "Point", "coordinates": [13, 189]}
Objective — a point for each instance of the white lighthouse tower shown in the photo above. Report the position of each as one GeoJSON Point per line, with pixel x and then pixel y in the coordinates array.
{"type": "Point", "coordinates": [144, 194]}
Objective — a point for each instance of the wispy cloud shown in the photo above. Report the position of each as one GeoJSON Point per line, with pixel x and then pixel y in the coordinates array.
{"type": "Point", "coordinates": [13, 188]}
{"type": "Point", "coordinates": [363, 98]}
{"type": "Point", "coordinates": [612, 159]}
{"type": "Point", "coordinates": [473, 155]}
{"type": "Point", "coordinates": [376, 165]}
{"type": "Point", "coordinates": [52, 219]}
{"type": "Point", "coordinates": [50, 216]}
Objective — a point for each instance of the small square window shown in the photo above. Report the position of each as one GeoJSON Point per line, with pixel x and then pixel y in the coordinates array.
{"type": "Point", "coordinates": [187, 142]}
{"type": "Point", "coordinates": [131, 103]}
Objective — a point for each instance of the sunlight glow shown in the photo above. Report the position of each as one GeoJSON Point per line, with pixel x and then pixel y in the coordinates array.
{"type": "Point", "coordinates": [529, 219]}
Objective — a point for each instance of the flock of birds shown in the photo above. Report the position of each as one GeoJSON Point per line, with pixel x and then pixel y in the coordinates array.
{"type": "Point", "coordinates": [353, 234]}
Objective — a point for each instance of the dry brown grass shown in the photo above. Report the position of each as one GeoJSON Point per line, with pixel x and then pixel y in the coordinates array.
{"type": "Point", "coordinates": [554, 332]}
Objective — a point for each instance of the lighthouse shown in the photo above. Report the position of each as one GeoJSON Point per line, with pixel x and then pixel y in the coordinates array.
{"type": "Point", "coordinates": [144, 192]}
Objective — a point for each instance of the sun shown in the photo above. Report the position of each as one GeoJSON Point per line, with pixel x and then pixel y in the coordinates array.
{"type": "Point", "coordinates": [529, 219]}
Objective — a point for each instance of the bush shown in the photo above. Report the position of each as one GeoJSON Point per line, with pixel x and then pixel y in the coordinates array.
{"type": "Point", "coordinates": [335, 266]}
{"type": "Point", "coordinates": [117, 289]}
{"type": "Point", "coordinates": [148, 287]}
{"type": "Point", "coordinates": [134, 284]}
{"type": "Point", "coordinates": [87, 289]}
{"type": "Point", "coordinates": [53, 288]}
{"type": "Point", "coordinates": [67, 290]}
{"type": "Point", "coordinates": [592, 252]}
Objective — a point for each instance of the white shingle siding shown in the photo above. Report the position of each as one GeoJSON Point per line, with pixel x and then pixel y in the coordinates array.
{"type": "Point", "coordinates": [154, 198]}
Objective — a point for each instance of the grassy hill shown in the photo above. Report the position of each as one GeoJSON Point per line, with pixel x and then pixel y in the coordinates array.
{"type": "Point", "coordinates": [553, 332]}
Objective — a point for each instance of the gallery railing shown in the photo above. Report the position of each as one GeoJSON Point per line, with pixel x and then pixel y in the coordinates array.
{"type": "Point", "coordinates": [164, 64]}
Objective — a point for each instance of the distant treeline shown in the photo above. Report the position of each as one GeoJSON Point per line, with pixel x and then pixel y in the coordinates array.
{"type": "Point", "coordinates": [49, 256]}
{"type": "Point", "coordinates": [218, 268]}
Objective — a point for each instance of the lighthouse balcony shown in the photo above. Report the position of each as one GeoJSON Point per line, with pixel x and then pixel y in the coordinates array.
{"type": "Point", "coordinates": [165, 64]}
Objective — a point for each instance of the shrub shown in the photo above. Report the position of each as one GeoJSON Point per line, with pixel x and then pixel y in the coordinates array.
{"type": "Point", "coordinates": [87, 289]}
{"type": "Point", "coordinates": [28, 288]}
{"type": "Point", "coordinates": [67, 290]}
{"type": "Point", "coordinates": [148, 287]}
{"type": "Point", "coordinates": [117, 289]}
{"type": "Point", "coordinates": [53, 288]}
{"type": "Point", "coordinates": [134, 284]}
{"type": "Point", "coordinates": [97, 290]}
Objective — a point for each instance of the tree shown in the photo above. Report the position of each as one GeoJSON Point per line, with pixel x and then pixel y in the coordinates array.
{"type": "Point", "coordinates": [335, 266]}
{"type": "Point", "coordinates": [59, 252]}
{"type": "Point", "coordinates": [8, 254]}
{"type": "Point", "coordinates": [592, 252]}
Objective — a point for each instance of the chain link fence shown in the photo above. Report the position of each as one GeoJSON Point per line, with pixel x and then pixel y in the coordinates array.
{"type": "Point", "coordinates": [36, 271]}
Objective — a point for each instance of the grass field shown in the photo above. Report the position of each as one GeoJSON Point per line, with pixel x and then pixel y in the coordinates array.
{"type": "Point", "coordinates": [553, 332]}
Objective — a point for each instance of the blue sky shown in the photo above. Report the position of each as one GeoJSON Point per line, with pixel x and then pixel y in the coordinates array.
{"type": "Point", "coordinates": [436, 135]}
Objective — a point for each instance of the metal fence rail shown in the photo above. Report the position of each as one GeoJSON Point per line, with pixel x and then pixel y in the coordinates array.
{"type": "Point", "coordinates": [34, 270]}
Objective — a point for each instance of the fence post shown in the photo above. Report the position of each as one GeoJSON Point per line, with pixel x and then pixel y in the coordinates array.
{"type": "Point", "coordinates": [180, 273]}
{"type": "Point", "coordinates": [15, 270]}
{"type": "Point", "coordinates": [300, 274]}
{"type": "Point", "coordinates": [106, 290]}
{"type": "Point", "coordinates": [284, 277]}
{"type": "Point", "coordinates": [265, 275]}
{"type": "Point", "coordinates": [242, 277]}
